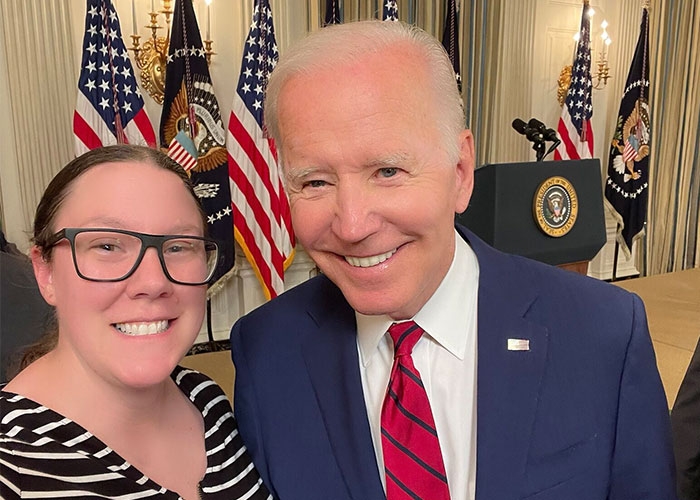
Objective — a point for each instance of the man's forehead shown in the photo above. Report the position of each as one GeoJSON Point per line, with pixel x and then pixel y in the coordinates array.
{"type": "Point", "coordinates": [400, 57]}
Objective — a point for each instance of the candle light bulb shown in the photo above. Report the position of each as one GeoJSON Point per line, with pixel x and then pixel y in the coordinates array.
{"type": "Point", "coordinates": [604, 24]}
{"type": "Point", "coordinates": [208, 2]}
{"type": "Point", "coordinates": [591, 12]}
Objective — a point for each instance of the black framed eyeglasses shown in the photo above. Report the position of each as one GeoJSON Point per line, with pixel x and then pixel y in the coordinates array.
{"type": "Point", "coordinates": [108, 255]}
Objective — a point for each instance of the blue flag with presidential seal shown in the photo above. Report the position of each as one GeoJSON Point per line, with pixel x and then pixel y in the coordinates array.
{"type": "Point", "coordinates": [627, 183]}
{"type": "Point", "coordinates": [333, 15]}
{"type": "Point", "coordinates": [191, 125]}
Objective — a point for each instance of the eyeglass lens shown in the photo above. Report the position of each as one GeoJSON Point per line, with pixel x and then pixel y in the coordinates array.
{"type": "Point", "coordinates": [108, 255]}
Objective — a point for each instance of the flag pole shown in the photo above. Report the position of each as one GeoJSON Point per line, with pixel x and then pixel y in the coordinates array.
{"type": "Point", "coordinates": [210, 332]}
{"type": "Point", "coordinates": [615, 256]}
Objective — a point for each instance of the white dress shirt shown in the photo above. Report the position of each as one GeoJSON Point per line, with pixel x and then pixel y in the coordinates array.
{"type": "Point", "coordinates": [445, 357]}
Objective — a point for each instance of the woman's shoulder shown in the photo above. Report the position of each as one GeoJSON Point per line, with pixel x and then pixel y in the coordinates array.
{"type": "Point", "coordinates": [20, 411]}
{"type": "Point", "coordinates": [199, 388]}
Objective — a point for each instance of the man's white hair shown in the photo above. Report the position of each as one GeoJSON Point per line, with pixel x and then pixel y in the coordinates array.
{"type": "Point", "coordinates": [340, 44]}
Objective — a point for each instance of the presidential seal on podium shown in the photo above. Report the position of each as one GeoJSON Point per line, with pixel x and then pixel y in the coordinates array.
{"type": "Point", "coordinates": [555, 206]}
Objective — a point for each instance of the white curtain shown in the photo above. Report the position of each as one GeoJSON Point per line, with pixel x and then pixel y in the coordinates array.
{"type": "Point", "coordinates": [38, 71]}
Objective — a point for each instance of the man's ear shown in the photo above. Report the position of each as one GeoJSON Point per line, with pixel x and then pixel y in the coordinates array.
{"type": "Point", "coordinates": [43, 271]}
{"type": "Point", "coordinates": [465, 171]}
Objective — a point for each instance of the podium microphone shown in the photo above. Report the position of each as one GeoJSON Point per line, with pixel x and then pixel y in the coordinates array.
{"type": "Point", "coordinates": [533, 135]}
{"type": "Point", "coordinates": [548, 133]}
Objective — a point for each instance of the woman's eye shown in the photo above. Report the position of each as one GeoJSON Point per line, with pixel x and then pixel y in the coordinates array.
{"type": "Point", "coordinates": [388, 171]}
{"type": "Point", "coordinates": [106, 247]}
{"type": "Point", "coordinates": [175, 248]}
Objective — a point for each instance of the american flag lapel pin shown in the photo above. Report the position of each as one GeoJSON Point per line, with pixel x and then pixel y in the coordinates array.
{"type": "Point", "coordinates": [518, 345]}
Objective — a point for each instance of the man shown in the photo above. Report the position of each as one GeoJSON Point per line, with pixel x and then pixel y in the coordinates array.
{"type": "Point", "coordinates": [24, 315]}
{"type": "Point", "coordinates": [539, 383]}
{"type": "Point", "coordinates": [685, 424]}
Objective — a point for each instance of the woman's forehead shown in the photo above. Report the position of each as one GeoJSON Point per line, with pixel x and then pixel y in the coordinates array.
{"type": "Point", "coordinates": [130, 191]}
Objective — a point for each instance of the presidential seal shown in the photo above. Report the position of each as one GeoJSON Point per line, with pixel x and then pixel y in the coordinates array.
{"type": "Point", "coordinates": [555, 206]}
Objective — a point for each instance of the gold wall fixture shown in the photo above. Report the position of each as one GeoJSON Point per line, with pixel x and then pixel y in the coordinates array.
{"type": "Point", "coordinates": [152, 56]}
{"type": "Point", "coordinates": [600, 73]}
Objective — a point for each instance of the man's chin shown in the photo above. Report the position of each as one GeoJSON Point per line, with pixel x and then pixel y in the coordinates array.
{"type": "Point", "coordinates": [377, 305]}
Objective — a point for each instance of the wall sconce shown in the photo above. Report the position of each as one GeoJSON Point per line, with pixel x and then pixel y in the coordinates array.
{"type": "Point", "coordinates": [152, 56]}
{"type": "Point", "coordinates": [602, 72]}
{"type": "Point", "coordinates": [599, 74]}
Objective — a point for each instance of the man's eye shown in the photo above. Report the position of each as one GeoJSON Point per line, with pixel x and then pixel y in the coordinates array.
{"type": "Point", "coordinates": [315, 183]}
{"type": "Point", "coordinates": [388, 171]}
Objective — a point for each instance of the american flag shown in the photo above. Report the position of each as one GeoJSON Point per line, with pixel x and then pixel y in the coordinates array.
{"type": "Point", "coordinates": [191, 117]}
{"type": "Point", "coordinates": [109, 109]}
{"type": "Point", "coordinates": [390, 11]}
{"type": "Point", "coordinates": [262, 222]}
{"type": "Point", "coordinates": [575, 123]}
{"type": "Point", "coordinates": [183, 151]}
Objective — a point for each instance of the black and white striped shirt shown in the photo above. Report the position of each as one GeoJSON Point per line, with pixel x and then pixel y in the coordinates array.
{"type": "Point", "coordinates": [45, 455]}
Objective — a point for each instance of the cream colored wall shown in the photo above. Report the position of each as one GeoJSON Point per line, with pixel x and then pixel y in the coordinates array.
{"type": "Point", "coordinates": [37, 93]}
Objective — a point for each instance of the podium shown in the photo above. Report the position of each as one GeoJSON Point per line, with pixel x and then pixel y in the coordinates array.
{"type": "Point", "coordinates": [527, 209]}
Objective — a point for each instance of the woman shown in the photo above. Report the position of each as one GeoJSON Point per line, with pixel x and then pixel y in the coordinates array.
{"type": "Point", "coordinates": [103, 410]}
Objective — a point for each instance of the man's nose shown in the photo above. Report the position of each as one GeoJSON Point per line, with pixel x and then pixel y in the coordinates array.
{"type": "Point", "coordinates": [355, 216]}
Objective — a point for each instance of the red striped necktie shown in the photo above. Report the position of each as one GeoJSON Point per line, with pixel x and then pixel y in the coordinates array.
{"type": "Point", "coordinates": [412, 457]}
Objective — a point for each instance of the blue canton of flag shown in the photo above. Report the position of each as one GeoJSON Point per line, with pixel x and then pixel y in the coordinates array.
{"type": "Point", "coordinates": [109, 108]}
{"type": "Point", "coordinates": [390, 11]}
{"type": "Point", "coordinates": [575, 123]}
{"type": "Point", "coordinates": [262, 219]}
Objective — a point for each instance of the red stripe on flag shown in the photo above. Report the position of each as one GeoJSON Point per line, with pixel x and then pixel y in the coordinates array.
{"type": "Point", "coordinates": [248, 145]}
{"type": "Point", "coordinates": [143, 123]}
{"type": "Point", "coordinates": [84, 132]}
{"type": "Point", "coordinates": [589, 138]}
{"type": "Point", "coordinates": [261, 214]}
{"type": "Point", "coordinates": [243, 236]}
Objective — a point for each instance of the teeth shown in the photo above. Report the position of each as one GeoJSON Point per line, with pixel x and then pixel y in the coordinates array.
{"type": "Point", "coordinates": [137, 329]}
{"type": "Point", "coordinates": [369, 261]}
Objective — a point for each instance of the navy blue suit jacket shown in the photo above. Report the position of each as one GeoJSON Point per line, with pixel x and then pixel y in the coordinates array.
{"type": "Point", "coordinates": [581, 415]}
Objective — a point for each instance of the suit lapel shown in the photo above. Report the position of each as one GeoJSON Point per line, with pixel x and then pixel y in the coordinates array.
{"type": "Point", "coordinates": [330, 354]}
{"type": "Point", "coordinates": [508, 380]}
